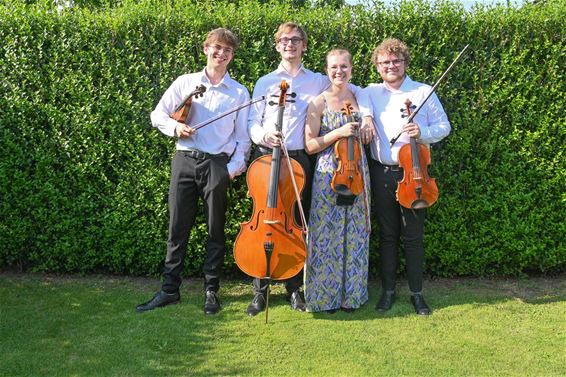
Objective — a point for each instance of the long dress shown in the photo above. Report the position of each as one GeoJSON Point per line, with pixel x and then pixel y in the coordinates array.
{"type": "Point", "coordinates": [336, 271]}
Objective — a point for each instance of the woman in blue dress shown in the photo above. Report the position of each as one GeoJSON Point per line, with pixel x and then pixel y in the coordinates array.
{"type": "Point", "coordinates": [338, 246]}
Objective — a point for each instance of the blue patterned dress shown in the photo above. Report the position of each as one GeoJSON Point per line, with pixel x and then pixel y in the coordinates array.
{"type": "Point", "coordinates": [338, 247]}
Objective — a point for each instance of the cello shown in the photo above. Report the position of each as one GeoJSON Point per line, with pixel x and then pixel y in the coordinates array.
{"type": "Point", "coordinates": [416, 190]}
{"type": "Point", "coordinates": [348, 178]}
{"type": "Point", "coordinates": [271, 245]}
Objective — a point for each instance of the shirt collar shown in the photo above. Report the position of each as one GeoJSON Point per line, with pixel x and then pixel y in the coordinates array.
{"type": "Point", "coordinates": [226, 80]}
{"type": "Point", "coordinates": [280, 69]}
{"type": "Point", "coordinates": [405, 85]}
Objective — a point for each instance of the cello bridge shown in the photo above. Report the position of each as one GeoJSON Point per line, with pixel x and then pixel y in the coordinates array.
{"type": "Point", "coordinates": [271, 221]}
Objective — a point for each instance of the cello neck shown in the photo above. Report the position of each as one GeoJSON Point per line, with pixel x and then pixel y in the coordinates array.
{"type": "Point", "coordinates": [274, 178]}
{"type": "Point", "coordinates": [276, 154]}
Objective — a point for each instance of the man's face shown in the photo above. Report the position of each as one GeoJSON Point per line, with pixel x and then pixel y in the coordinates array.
{"type": "Point", "coordinates": [291, 46]}
{"type": "Point", "coordinates": [218, 55]}
{"type": "Point", "coordinates": [391, 67]}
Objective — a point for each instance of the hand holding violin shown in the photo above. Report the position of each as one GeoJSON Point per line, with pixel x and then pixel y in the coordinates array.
{"type": "Point", "coordinates": [412, 129]}
{"type": "Point", "coordinates": [183, 131]}
{"type": "Point", "coordinates": [348, 129]}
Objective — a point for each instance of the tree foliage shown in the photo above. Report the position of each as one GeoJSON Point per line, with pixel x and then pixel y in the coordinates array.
{"type": "Point", "coordinates": [84, 176]}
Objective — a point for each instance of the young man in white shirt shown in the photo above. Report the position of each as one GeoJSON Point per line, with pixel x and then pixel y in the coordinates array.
{"type": "Point", "coordinates": [304, 86]}
{"type": "Point", "coordinates": [386, 101]}
{"type": "Point", "coordinates": [205, 162]}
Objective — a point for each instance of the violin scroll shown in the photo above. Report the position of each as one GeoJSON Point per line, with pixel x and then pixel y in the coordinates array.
{"type": "Point", "coordinates": [181, 112]}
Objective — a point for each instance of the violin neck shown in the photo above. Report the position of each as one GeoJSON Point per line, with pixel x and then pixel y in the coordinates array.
{"type": "Point", "coordinates": [351, 140]}
{"type": "Point", "coordinates": [351, 151]}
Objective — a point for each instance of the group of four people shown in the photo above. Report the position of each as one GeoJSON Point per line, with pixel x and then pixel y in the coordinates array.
{"type": "Point", "coordinates": [338, 244]}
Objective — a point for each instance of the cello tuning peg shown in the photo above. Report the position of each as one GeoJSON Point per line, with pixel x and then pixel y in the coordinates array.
{"type": "Point", "coordinates": [291, 100]}
{"type": "Point", "coordinates": [292, 95]}
{"type": "Point", "coordinates": [271, 103]}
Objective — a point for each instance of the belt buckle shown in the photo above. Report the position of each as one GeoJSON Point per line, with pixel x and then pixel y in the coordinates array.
{"type": "Point", "coordinates": [198, 155]}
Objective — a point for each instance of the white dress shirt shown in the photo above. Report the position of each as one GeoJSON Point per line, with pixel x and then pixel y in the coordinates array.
{"type": "Point", "coordinates": [387, 107]}
{"type": "Point", "coordinates": [227, 135]}
{"type": "Point", "coordinates": [306, 85]}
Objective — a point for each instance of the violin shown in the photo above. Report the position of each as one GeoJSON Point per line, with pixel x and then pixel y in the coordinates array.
{"type": "Point", "coordinates": [416, 190]}
{"type": "Point", "coordinates": [181, 112]}
{"type": "Point", "coordinates": [348, 179]}
{"type": "Point", "coordinates": [271, 245]}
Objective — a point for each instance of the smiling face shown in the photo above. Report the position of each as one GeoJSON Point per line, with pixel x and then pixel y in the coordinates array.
{"type": "Point", "coordinates": [391, 67]}
{"type": "Point", "coordinates": [339, 67]}
{"type": "Point", "coordinates": [219, 48]}
{"type": "Point", "coordinates": [291, 45]}
{"type": "Point", "coordinates": [218, 55]}
{"type": "Point", "coordinates": [391, 59]}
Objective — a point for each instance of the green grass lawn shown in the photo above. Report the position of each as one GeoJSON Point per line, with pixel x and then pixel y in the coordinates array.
{"type": "Point", "coordinates": [87, 326]}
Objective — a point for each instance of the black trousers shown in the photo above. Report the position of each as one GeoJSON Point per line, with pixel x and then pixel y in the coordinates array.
{"type": "Point", "coordinates": [396, 223]}
{"type": "Point", "coordinates": [192, 178]}
{"type": "Point", "coordinates": [306, 162]}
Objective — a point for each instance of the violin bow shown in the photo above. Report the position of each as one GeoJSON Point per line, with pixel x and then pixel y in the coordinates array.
{"type": "Point", "coordinates": [299, 202]}
{"type": "Point", "coordinates": [226, 113]}
{"type": "Point", "coordinates": [366, 200]}
{"type": "Point", "coordinates": [410, 118]}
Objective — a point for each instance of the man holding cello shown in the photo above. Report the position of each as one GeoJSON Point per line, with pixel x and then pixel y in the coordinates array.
{"type": "Point", "coordinates": [390, 103]}
{"type": "Point", "coordinates": [304, 85]}
{"type": "Point", "coordinates": [205, 162]}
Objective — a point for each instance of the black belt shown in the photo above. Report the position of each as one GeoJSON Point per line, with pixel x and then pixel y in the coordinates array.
{"type": "Point", "coordinates": [198, 155]}
{"type": "Point", "coordinates": [390, 167]}
{"type": "Point", "coordinates": [294, 153]}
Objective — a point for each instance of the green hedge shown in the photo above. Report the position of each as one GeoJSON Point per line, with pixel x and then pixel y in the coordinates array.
{"type": "Point", "coordinates": [84, 176]}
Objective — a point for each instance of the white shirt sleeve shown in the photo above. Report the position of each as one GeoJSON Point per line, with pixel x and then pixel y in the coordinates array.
{"type": "Point", "coordinates": [237, 163]}
{"type": "Point", "coordinates": [160, 116]}
{"type": "Point", "coordinates": [438, 126]}
{"type": "Point", "coordinates": [255, 117]}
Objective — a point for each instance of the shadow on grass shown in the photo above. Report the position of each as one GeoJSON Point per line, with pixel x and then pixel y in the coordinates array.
{"type": "Point", "coordinates": [443, 294]}
{"type": "Point", "coordinates": [81, 326]}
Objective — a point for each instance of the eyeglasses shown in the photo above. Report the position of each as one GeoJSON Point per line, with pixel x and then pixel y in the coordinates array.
{"type": "Point", "coordinates": [395, 62]}
{"type": "Point", "coordinates": [218, 48]}
{"type": "Point", "coordinates": [294, 41]}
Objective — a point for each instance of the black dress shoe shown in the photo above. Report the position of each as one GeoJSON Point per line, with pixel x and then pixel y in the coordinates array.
{"type": "Point", "coordinates": [211, 303]}
{"type": "Point", "coordinates": [297, 301]}
{"type": "Point", "coordinates": [420, 305]}
{"type": "Point", "coordinates": [159, 299]}
{"type": "Point", "coordinates": [385, 302]}
{"type": "Point", "coordinates": [331, 311]}
{"type": "Point", "coordinates": [257, 305]}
